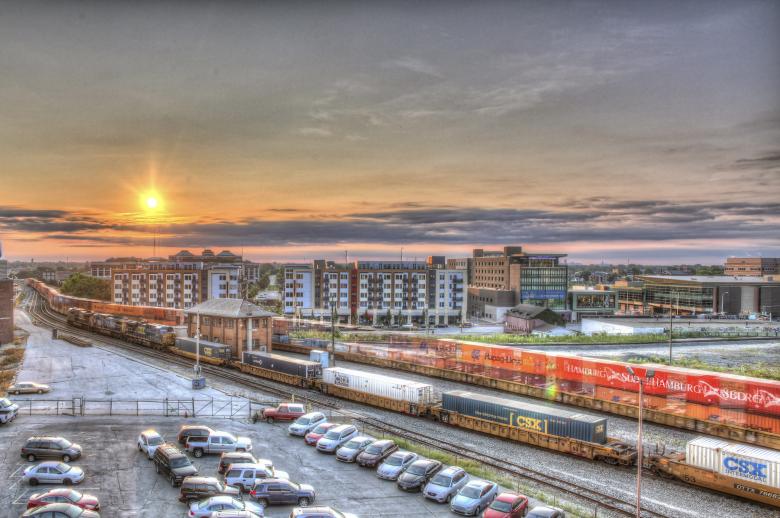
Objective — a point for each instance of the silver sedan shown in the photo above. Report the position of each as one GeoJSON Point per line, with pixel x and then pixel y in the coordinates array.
{"type": "Point", "coordinates": [53, 473]}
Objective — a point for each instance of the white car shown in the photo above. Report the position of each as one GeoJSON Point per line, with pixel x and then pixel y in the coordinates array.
{"type": "Point", "coordinates": [306, 423]}
{"type": "Point", "coordinates": [53, 472]}
{"type": "Point", "coordinates": [8, 410]}
{"type": "Point", "coordinates": [207, 508]}
{"type": "Point", "coordinates": [148, 442]}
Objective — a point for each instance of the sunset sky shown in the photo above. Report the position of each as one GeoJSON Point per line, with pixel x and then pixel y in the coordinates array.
{"type": "Point", "coordinates": [605, 130]}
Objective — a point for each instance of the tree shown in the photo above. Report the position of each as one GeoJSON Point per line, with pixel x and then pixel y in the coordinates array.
{"type": "Point", "coordinates": [80, 285]}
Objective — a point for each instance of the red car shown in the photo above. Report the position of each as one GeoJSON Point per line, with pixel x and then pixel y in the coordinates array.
{"type": "Point", "coordinates": [318, 433]}
{"type": "Point", "coordinates": [64, 495]}
{"type": "Point", "coordinates": [507, 505]}
{"type": "Point", "coordinates": [284, 412]}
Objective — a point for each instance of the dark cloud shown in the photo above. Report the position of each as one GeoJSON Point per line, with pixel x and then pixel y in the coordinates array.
{"type": "Point", "coordinates": [768, 161]}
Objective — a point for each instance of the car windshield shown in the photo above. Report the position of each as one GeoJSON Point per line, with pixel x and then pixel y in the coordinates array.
{"type": "Point", "coordinates": [74, 496]}
{"type": "Point", "coordinates": [352, 445]}
{"type": "Point", "coordinates": [64, 443]}
{"type": "Point", "coordinates": [503, 507]}
{"type": "Point", "coordinates": [471, 492]}
{"type": "Point", "coordinates": [374, 449]}
{"type": "Point", "coordinates": [416, 470]}
{"type": "Point", "coordinates": [332, 435]}
{"type": "Point", "coordinates": [321, 429]}
{"type": "Point", "coordinates": [441, 480]}
{"type": "Point", "coordinates": [155, 440]}
{"type": "Point", "coordinates": [62, 467]}
{"type": "Point", "coordinates": [180, 462]}
{"type": "Point", "coordinates": [394, 461]}
{"type": "Point", "coordinates": [5, 402]}
{"type": "Point", "coordinates": [303, 420]}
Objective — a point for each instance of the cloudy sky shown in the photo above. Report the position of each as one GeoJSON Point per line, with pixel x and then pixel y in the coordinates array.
{"type": "Point", "coordinates": [605, 130]}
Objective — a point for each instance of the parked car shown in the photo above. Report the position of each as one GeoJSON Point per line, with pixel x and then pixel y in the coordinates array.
{"type": "Point", "coordinates": [28, 387]}
{"type": "Point", "coordinates": [148, 441]}
{"type": "Point", "coordinates": [217, 442]}
{"type": "Point", "coordinates": [395, 464]}
{"type": "Point", "coordinates": [208, 507]}
{"type": "Point", "coordinates": [474, 497]}
{"type": "Point", "coordinates": [53, 472]}
{"type": "Point", "coordinates": [64, 496]}
{"type": "Point", "coordinates": [418, 474]}
{"type": "Point", "coordinates": [60, 511]}
{"type": "Point", "coordinates": [375, 453]}
{"type": "Point", "coordinates": [507, 505]}
{"type": "Point", "coordinates": [234, 457]}
{"type": "Point", "coordinates": [278, 491]}
{"type": "Point", "coordinates": [546, 511]}
{"type": "Point", "coordinates": [245, 476]}
{"type": "Point", "coordinates": [235, 513]}
{"type": "Point", "coordinates": [173, 464]}
{"type": "Point", "coordinates": [306, 423]}
{"type": "Point", "coordinates": [319, 512]}
{"type": "Point", "coordinates": [198, 488]}
{"type": "Point", "coordinates": [283, 412]}
{"type": "Point", "coordinates": [8, 410]}
{"type": "Point", "coordinates": [446, 484]}
{"type": "Point", "coordinates": [50, 448]}
{"type": "Point", "coordinates": [352, 449]}
{"type": "Point", "coordinates": [335, 437]}
{"type": "Point", "coordinates": [187, 431]}
{"type": "Point", "coordinates": [318, 433]}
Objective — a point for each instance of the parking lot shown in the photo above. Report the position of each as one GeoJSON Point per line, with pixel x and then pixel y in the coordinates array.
{"type": "Point", "coordinates": [127, 485]}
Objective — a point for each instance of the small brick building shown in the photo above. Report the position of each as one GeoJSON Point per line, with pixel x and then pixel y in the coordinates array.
{"type": "Point", "coordinates": [235, 322]}
{"type": "Point", "coordinates": [6, 311]}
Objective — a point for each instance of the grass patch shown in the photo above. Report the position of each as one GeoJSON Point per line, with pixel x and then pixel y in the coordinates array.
{"type": "Point", "coordinates": [756, 370]}
{"type": "Point", "coordinates": [475, 469]}
{"type": "Point", "coordinates": [5, 379]}
{"type": "Point", "coordinates": [11, 356]}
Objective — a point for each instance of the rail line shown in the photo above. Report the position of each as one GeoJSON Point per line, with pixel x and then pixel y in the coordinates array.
{"type": "Point", "coordinates": [601, 501]}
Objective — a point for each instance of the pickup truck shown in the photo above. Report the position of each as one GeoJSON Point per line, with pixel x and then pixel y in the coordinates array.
{"type": "Point", "coordinates": [218, 442]}
{"type": "Point", "coordinates": [283, 412]}
{"type": "Point", "coordinates": [8, 410]}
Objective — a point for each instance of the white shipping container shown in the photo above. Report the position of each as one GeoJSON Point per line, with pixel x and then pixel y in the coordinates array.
{"type": "Point", "coordinates": [378, 385]}
{"type": "Point", "coordinates": [740, 461]}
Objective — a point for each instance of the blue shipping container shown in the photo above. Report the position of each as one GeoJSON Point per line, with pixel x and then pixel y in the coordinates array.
{"type": "Point", "coordinates": [527, 416]}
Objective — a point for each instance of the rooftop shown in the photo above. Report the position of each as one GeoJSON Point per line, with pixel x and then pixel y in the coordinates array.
{"type": "Point", "coordinates": [230, 308]}
{"type": "Point", "coordinates": [714, 279]}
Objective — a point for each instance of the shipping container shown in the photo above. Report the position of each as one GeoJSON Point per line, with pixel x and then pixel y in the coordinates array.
{"type": "Point", "coordinates": [276, 362]}
{"type": "Point", "coordinates": [321, 357]}
{"type": "Point", "coordinates": [519, 414]}
{"type": "Point", "coordinates": [741, 461]}
{"type": "Point", "coordinates": [378, 385]}
{"type": "Point", "coordinates": [207, 349]}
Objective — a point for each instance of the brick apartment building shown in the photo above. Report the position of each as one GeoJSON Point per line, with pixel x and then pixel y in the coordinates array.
{"type": "Point", "coordinates": [234, 322]}
{"type": "Point", "coordinates": [751, 266]}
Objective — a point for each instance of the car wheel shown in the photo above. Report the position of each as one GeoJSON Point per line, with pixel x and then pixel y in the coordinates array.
{"type": "Point", "coordinates": [269, 420]}
{"type": "Point", "coordinates": [40, 392]}
{"type": "Point", "coordinates": [67, 482]}
{"type": "Point", "coordinates": [263, 502]}
{"type": "Point", "coordinates": [303, 502]}
{"type": "Point", "coordinates": [66, 458]}
{"type": "Point", "coordinates": [31, 457]}
{"type": "Point", "coordinates": [139, 448]}
{"type": "Point", "coordinates": [198, 453]}
{"type": "Point", "coordinates": [33, 481]}
{"type": "Point", "coordinates": [449, 497]}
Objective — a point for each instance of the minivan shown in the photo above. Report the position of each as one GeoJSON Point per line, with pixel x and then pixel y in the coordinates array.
{"type": "Point", "coordinates": [50, 447]}
{"type": "Point", "coordinates": [335, 437]}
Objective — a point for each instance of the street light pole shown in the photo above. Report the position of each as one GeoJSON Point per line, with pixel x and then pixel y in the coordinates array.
{"type": "Point", "coordinates": [639, 453]}
{"type": "Point", "coordinates": [333, 334]}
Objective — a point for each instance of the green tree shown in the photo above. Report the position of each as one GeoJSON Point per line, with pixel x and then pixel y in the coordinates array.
{"type": "Point", "coordinates": [80, 285]}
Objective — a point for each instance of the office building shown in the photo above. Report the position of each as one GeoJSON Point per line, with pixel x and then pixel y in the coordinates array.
{"type": "Point", "coordinates": [751, 266]}
{"type": "Point", "coordinates": [463, 263]}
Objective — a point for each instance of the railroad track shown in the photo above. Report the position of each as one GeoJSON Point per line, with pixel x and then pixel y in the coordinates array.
{"type": "Point", "coordinates": [584, 495]}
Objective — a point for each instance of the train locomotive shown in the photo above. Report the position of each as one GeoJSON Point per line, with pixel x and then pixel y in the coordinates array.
{"type": "Point", "coordinates": [155, 336]}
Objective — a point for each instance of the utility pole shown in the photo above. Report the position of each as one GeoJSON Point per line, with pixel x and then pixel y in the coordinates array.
{"type": "Point", "coordinates": [671, 322]}
{"type": "Point", "coordinates": [333, 335]}
{"type": "Point", "coordinates": [649, 374]}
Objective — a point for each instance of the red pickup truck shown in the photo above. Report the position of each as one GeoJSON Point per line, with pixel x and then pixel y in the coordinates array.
{"type": "Point", "coordinates": [284, 412]}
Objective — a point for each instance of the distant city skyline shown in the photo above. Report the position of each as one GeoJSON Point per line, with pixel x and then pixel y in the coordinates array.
{"type": "Point", "coordinates": [613, 130]}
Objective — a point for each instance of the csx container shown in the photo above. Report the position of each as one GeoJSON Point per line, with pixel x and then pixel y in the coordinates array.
{"type": "Point", "coordinates": [285, 364]}
{"type": "Point", "coordinates": [384, 386]}
{"type": "Point", "coordinates": [735, 460]}
{"type": "Point", "coordinates": [208, 349]}
{"type": "Point", "coordinates": [527, 416]}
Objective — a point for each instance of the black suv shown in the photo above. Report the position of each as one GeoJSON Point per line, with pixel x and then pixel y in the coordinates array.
{"type": "Point", "coordinates": [172, 463]}
{"type": "Point", "coordinates": [198, 488]}
{"type": "Point", "coordinates": [50, 447]}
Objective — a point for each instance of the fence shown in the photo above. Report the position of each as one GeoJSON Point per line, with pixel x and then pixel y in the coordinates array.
{"type": "Point", "coordinates": [229, 408]}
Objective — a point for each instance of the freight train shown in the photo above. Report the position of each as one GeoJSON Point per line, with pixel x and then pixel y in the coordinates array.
{"type": "Point", "coordinates": [554, 429]}
{"type": "Point", "coordinates": [156, 336]}
{"type": "Point", "coordinates": [62, 303]}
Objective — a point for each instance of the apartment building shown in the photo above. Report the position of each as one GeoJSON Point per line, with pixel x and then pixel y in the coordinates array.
{"type": "Point", "coordinates": [393, 291]}
{"type": "Point", "coordinates": [298, 294]}
{"type": "Point", "coordinates": [463, 263]}
{"type": "Point", "coordinates": [447, 295]}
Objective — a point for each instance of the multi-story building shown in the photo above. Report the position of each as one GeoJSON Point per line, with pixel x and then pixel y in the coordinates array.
{"type": "Point", "coordinates": [463, 263]}
{"type": "Point", "coordinates": [3, 264]}
{"type": "Point", "coordinates": [751, 266]}
{"type": "Point", "coordinates": [298, 293]}
{"type": "Point", "coordinates": [103, 269]}
{"type": "Point", "coordinates": [394, 291]}
{"type": "Point", "coordinates": [447, 297]}
{"type": "Point", "coordinates": [536, 279]}
{"type": "Point", "coordinates": [6, 311]}
{"type": "Point", "coordinates": [332, 289]}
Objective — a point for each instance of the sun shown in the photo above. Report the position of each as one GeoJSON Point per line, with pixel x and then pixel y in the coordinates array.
{"type": "Point", "coordinates": [151, 202]}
